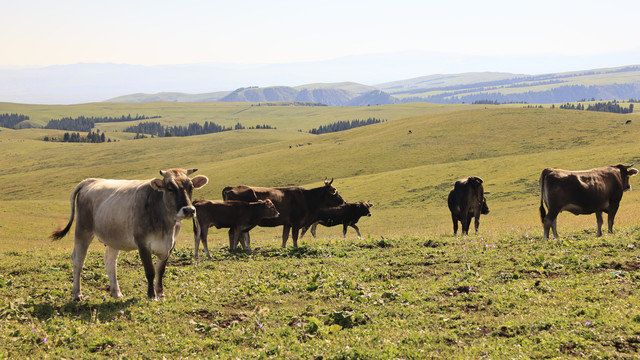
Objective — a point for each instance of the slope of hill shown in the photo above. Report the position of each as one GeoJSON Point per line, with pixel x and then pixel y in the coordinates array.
{"type": "Point", "coordinates": [400, 171]}
{"type": "Point", "coordinates": [501, 293]}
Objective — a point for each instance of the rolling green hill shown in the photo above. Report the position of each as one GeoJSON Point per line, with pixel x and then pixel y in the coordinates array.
{"type": "Point", "coordinates": [406, 174]}
{"type": "Point", "coordinates": [409, 289]}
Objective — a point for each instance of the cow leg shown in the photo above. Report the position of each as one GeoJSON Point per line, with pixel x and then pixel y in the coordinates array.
{"type": "Point", "coordinates": [465, 221]}
{"type": "Point", "coordinates": [294, 235]}
{"type": "Point", "coordinates": [231, 239]}
{"type": "Point", "coordinates": [242, 236]}
{"type": "Point", "coordinates": [476, 217]}
{"type": "Point", "coordinates": [149, 271]}
{"type": "Point", "coordinates": [313, 229]}
{"type": "Point", "coordinates": [357, 230]}
{"type": "Point", "coordinates": [304, 231]}
{"type": "Point", "coordinates": [599, 223]}
{"type": "Point", "coordinates": [455, 224]}
{"type": "Point", "coordinates": [161, 265]}
{"type": "Point", "coordinates": [247, 241]}
{"type": "Point", "coordinates": [285, 235]}
{"type": "Point", "coordinates": [550, 222]}
{"type": "Point", "coordinates": [344, 230]}
{"type": "Point", "coordinates": [205, 245]}
{"type": "Point", "coordinates": [79, 254]}
{"type": "Point", "coordinates": [111, 263]}
{"type": "Point", "coordinates": [611, 214]}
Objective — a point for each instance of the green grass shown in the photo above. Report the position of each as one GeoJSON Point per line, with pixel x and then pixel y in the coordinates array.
{"type": "Point", "coordinates": [502, 296]}
{"type": "Point", "coordinates": [407, 290]}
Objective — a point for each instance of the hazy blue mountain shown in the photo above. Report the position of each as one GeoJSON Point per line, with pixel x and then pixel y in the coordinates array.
{"type": "Point", "coordinates": [375, 97]}
{"type": "Point", "coordinates": [79, 83]}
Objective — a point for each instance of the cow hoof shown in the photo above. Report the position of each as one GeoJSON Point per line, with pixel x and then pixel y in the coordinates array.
{"type": "Point", "coordinates": [116, 295]}
{"type": "Point", "coordinates": [79, 298]}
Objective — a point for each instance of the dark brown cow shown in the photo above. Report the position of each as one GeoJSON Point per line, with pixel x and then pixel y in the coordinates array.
{"type": "Point", "coordinates": [346, 215]}
{"type": "Point", "coordinates": [239, 216]}
{"type": "Point", "coordinates": [297, 206]}
{"type": "Point", "coordinates": [125, 215]}
{"type": "Point", "coordinates": [467, 201]}
{"type": "Point", "coordinates": [583, 192]}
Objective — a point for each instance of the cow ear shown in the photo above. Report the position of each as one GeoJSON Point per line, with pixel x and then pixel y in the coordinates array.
{"type": "Point", "coordinates": [157, 185]}
{"type": "Point", "coordinates": [633, 172]}
{"type": "Point", "coordinates": [199, 181]}
{"type": "Point", "coordinates": [478, 180]}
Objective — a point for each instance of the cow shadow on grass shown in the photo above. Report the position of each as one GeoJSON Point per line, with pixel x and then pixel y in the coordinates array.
{"type": "Point", "coordinates": [83, 311]}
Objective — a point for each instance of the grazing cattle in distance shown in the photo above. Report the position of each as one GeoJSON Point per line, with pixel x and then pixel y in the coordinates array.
{"type": "Point", "coordinates": [627, 122]}
{"type": "Point", "coordinates": [347, 214]}
{"type": "Point", "coordinates": [583, 192]}
{"type": "Point", "coordinates": [239, 216]}
{"type": "Point", "coordinates": [467, 201]}
{"type": "Point", "coordinates": [297, 206]}
{"type": "Point", "coordinates": [125, 215]}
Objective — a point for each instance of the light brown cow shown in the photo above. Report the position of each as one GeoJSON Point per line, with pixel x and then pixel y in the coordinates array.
{"type": "Point", "coordinates": [239, 216]}
{"type": "Point", "coordinates": [583, 192]}
{"type": "Point", "coordinates": [125, 215]}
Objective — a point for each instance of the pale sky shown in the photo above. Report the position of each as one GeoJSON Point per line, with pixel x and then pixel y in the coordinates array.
{"type": "Point", "coordinates": [44, 32]}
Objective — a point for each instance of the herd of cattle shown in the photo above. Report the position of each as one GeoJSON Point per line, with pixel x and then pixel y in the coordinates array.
{"type": "Point", "coordinates": [146, 215]}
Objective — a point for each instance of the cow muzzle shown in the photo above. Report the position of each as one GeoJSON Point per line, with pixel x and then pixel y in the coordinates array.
{"type": "Point", "coordinates": [186, 212]}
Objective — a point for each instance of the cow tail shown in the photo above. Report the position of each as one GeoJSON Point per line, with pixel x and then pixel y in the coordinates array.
{"type": "Point", "coordinates": [543, 213]}
{"type": "Point", "coordinates": [59, 234]}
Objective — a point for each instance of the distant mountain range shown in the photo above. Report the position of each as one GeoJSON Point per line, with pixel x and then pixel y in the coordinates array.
{"type": "Point", "coordinates": [351, 80]}
{"type": "Point", "coordinates": [619, 83]}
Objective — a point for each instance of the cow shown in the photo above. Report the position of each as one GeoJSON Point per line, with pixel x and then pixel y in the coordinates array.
{"type": "Point", "coordinates": [583, 192]}
{"type": "Point", "coordinates": [347, 214]}
{"type": "Point", "coordinates": [125, 215]}
{"type": "Point", "coordinates": [239, 216]}
{"type": "Point", "coordinates": [466, 200]}
{"type": "Point", "coordinates": [297, 206]}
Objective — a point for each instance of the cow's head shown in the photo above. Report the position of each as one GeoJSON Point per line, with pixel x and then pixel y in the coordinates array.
{"type": "Point", "coordinates": [177, 189]}
{"type": "Point", "coordinates": [364, 208]}
{"type": "Point", "coordinates": [625, 173]}
{"type": "Point", "coordinates": [330, 196]}
{"type": "Point", "coordinates": [269, 210]}
{"type": "Point", "coordinates": [484, 209]}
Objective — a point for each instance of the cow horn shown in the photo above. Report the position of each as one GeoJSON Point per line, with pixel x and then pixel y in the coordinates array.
{"type": "Point", "coordinates": [191, 171]}
{"type": "Point", "coordinates": [162, 172]}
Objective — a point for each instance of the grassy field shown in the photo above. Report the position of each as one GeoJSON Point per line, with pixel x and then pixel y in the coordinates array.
{"type": "Point", "coordinates": [409, 289]}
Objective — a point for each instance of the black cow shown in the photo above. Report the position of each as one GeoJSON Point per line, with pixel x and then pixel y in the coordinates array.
{"type": "Point", "coordinates": [239, 216]}
{"type": "Point", "coordinates": [467, 201]}
{"type": "Point", "coordinates": [346, 215]}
